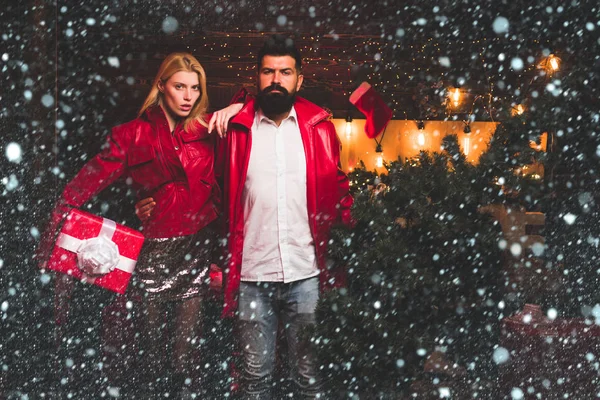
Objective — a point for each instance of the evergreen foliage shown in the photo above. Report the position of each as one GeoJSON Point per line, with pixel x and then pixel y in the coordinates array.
{"type": "Point", "coordinates": [424, 274]}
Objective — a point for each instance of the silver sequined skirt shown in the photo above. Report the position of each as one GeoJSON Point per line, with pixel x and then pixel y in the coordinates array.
{"type": "Point", "coordinates": [176, 268]}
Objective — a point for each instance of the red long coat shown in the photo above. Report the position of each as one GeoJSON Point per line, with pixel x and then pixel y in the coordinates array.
{"type": "Point", "coordinates": [327, 188]}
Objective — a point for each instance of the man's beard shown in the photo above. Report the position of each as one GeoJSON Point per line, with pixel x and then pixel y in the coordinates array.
{"type": "Point", "coordinates": [273, 104]}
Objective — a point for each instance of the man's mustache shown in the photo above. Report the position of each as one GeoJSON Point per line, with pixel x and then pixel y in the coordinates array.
{"type": "Point", "coordinates": [273, 87]}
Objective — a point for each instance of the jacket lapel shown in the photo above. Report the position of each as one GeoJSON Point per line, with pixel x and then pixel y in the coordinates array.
{"type": "Point", "coordinates": [240, 144]}
{"type": "Point", "coordinates": [307, 134]}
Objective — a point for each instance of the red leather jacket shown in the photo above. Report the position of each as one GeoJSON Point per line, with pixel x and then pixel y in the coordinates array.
{"type": "Point", "coordinates": [327, 188]}
{"type": "Point", "coordinates": [175, 168]}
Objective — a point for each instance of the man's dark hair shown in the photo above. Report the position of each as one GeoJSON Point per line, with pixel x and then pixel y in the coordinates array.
{"type": "Point", "coordinates": [280, 45]}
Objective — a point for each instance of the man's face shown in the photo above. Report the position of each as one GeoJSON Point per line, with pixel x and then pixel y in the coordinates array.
{"type": "Point", "coordinates": [278, 82]}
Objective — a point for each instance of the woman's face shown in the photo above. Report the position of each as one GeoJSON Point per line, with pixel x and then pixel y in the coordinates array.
{"type": "Point", "coordinates": [180, 93]}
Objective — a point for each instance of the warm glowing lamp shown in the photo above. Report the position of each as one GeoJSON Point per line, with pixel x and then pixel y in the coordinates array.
{"type": "Point", "coordinates": [467, 139]}
{"type": "Point", "coordinates": [455, 96]}
{"type": "Point", "coordinates": [550, 64]}
{"type": "Point", "coordinates": [554, 62]}
{"type": "Point", "coordinates": [519, 109]}
{"type": "Point", "coordinates": [379, 159]}
{"type": "Point", "coordinates": [421, 134]}
{"type": "Point", "coordinates": [466, 145]}
{"type": "Point", "coordinates": [349, 126]}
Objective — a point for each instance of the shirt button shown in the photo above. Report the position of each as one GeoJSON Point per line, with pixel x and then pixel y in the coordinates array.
{"type": "Point", "coordinates": [176, 147]}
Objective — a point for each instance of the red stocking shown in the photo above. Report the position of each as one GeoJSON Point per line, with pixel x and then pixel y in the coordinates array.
{"type": "Point", "coordinates": [370, 103]}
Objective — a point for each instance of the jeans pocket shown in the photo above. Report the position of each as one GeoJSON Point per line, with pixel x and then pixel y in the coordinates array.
{"type": "Point", "coordinates": [307, 295]}
{"type": "Point", "coordinates": [253, 303]}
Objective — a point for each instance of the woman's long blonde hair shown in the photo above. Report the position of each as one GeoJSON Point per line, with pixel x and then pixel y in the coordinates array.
{"type": "Point", "coordinates": [174, 63]}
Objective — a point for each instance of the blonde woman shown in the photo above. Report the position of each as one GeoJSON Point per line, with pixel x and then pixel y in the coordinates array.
{"type": "Point", "coordinates": [167, 153]}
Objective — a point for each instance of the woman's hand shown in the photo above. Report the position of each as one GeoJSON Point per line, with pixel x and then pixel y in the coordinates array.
{"type": "Point", "coordinates": [220, 119]}
{"type": "Point", "coordinates": [144, 207]}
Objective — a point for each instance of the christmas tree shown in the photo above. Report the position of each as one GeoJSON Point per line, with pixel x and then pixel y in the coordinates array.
{"type": "Point", "coordinates": [424, 276]}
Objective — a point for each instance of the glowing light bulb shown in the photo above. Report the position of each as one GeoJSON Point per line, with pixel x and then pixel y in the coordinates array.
{"type": "Point", "coordinates": [550, 64]}
{"type": "Point", "coordinates": [421, 139]}
{"type": "Point", "coordinates": [553, 62]}
{"type": "Point", "coordinates": [456, 97]}
{"type": "Point", "coordinates": [466, 145]}
{"type": "Point", "coordinates": [379, 161]}
{"type": "Point", "coordinates": [348, 128]}
{"type": "Point", "coordinates": [518, 109]}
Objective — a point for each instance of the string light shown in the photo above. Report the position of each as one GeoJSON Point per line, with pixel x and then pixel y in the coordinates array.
{"type": "Point", "coordinates": [467, 139]}
{"type": "Point", "coordinates": [553, 62]}
{"type": "Point", "coordinates": [348, 127]}
{"type": "Point", "coordinates": [550, 64]}
{"type": "Point", "coordinates": [421, 134]}
{"type": "Point", "coordinates": [379, 158]}
{"type": "Point", "coordinates": [381, 60]}
{"type": "Point", "coordinates": [466, 145]}
{"type": "Point", "coordinates": [455, 97]}
{"type": "Point", "coordinates": [519, 109]}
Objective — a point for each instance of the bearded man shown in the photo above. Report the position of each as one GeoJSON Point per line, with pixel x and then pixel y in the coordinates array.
{"type": "Point", "coordinates": [284, 190]}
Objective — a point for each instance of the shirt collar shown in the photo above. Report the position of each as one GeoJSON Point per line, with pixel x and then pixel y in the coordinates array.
{"type": "Point", "coordinates": [260, 116]}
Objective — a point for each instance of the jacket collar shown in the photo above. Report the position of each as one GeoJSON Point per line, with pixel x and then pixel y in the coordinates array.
{"type": "Point", "coordinates": [156, 115]}
{"type": "Point", "coordinates": [307, 113]}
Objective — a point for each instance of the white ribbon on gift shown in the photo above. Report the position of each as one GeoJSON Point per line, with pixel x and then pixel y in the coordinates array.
{"type": "Point", "coordinates": [107, 231]}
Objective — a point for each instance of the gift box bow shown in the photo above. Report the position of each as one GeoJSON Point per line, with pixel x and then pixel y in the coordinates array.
{"type": "Point", "coordinates": [99, 255]}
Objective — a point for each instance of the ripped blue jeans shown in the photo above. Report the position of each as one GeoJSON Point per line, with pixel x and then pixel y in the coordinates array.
{"type": "Point", "coordinates": [262, 305]}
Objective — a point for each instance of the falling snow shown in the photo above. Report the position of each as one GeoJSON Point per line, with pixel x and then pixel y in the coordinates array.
{"type": "Point", "coordinates": [170, 25]}
{"type": "Point", "coordinates": [14, 152]}
{"type": "Point", "coordinates": [500, 25]}
{"type": "Point", "coordinates": [501, 355]}
{"type": "Point", "coordinates": [472, 260]}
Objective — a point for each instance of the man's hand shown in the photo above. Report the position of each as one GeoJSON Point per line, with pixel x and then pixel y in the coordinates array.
{"type": "Point", "coordinates": [220, 119]}
{"type": "Point", "coordinates": [144, 207]}
{"type": "Point", "coordinates": [216, 279]}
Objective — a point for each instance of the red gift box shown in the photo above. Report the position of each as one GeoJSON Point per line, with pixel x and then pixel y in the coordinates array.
{"type": "Point", "coordinates": [77, 233]}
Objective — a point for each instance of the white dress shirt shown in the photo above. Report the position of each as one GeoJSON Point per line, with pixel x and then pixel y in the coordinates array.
{"type": "Point", "coordinates": [278, 244]}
